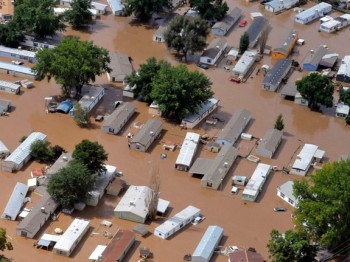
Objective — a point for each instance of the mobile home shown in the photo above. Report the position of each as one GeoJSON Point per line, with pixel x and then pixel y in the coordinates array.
{"type": "Point", "coordinates": [278, 6]}
{"type": "Point", "coordinates": [121, 67]}
{"type": "Point", "coordinates": [244, 64]}
{"type": "Point", "coordinates": [15, 202]}
{"type": "Point", "coordinates": [9, 87]}
{"type": "Point", "coordinates": [187, 152]}
{"type": "Point", "coordinates": [343, 74]}
{"type": "Point", "coordinates": [91, 95]}
{"type": "Point", "coordinates": [149, 132]}
{"type": "Point", "coordinates": [269, 143]}
{"type": "Point", "coordinates": [285, 191]}
{"type": "Point", "coordinates": [214, 51]}
{"type": "Point", "coordinates": [275, 76]}
{"type": "Point", "coordinates": [286, 47]}
{"type": "Point", "coordinates": [118, 119]}
{"type": "Point", "coordinates": [313, 13]}
{"type": "Point", "coordinates": [256, 29]}
{"type": "Point", "coordinates": [308, 154]}
{"type": "Point", "coordinates": [17, 70]}
{"type": "Point", "coordinates": [116, 6]}
{"type": "Point", "coordinates": [224, 25]}
{"type": "Point", "coordinates": [19, 54]}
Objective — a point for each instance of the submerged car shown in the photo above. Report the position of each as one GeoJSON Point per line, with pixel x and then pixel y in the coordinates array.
{"type": "Point", "coordinates": [203, 66]}
{"type": "Point", "coordinates": [279, 209]}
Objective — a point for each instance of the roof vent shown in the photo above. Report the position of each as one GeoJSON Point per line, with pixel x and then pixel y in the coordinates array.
{"type": "Point", "coordinates": [151, 133]}
{"type": "Point", "coordinates": [312, 51]}
{"type": "Point", "coordinates": [65, 158]}
{"type": "Point", "coordinates": [42, 209]}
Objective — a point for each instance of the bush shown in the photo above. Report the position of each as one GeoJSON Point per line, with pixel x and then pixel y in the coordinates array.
{"type": "Point", "coordinates": [41, 152]}
{"type": "Point", "coordinates": [81, 116]}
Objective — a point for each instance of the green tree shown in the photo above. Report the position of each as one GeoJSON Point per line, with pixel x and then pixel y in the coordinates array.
{"type": "Point", "coordinates": [71, 184]}
{"type": "Point", "coordinates": [347, 120]}
{"type": "Point", "coordinates": [91, 154]}
{"type": "Point", "coordinates": [279, 124]}
{"type": "Point", "coordinates": [73, 63]}
{"type": "Point", "coordinates": [290, 246]}
{"type": "Point", "coordinates": [4, 243]}
{"type": "Point", "coordinates": [81, 115]}
{"type": "Point", "coordinates": [143, 9]}
{"type": "Point", "coordinates": [143, 78]}
{"type": "Point", "coordinates": [317, 89]}
{"type": "Point", "coordinates": [37, 16]}
{"type": "Point", "coordinates": [184, 35]}
{"type": "Point", "coordinates": [324, 199]}
{"type": "Point", "coordinates": [10, 36]}
{"type": "Point", "coordinates": [243, 43]}
{"type": "Point", "coordinates": [79, 14]}
{"type": "Point", "coordinates": [210, 9]}
{"type": "Point", "coordinates": [179, 92]}
{"type": "Point", "coordinates": [345, 96]}
{"type": "Point", "coordinates": [41, 151]}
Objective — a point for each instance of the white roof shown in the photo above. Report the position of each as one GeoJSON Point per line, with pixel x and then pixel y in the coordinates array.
{"type": "Point", "coordinates": [345, 16]}
{"type": "Point", "coordinates": [50, 237]}
{"type": "Point", "coordinates": [311, 11]}
{"type": "Point", "coordinates": [60, 10]}
{"type": "Point", "coordinates": [344, 68]}
{"type": "Point", "coordinates": [32, 182]}
{"type": "Point", "coordinates": [208, 243]}
{"type": "Point", "coordinates": [179, 218]}
{"type": "Point", "coordinates": [9, 85]}
{"type": "Point", "coordinates": [98, 6]}
{"type": "Point", "coordinates": [326, 18]}
{"type": "Point", "coordinates": [93, 11]}
{"type": "Point", "coordinates": [116, 5]}
{"type": "Point", "coordinates": [102, 181]}
{"type": "Point", "coordinates": [16, 201]}
{"type": "Point", "coordinates": [72, 234]}
{"type": "Point", "coordinates": [233, 53]}
{"type": "Point", "coordinates": [97, 252]}
{"type": "Point", "coordinates": [17, 68]}
{"type": "Point", "coordinates": [305, 157]}
{"type": "Point", "coordinates": [23, 150]}
{"type": "Point", "coordinates": [3, 148]}
{"type": "Point", "coordinates": [341, 109]}
{"type": "Point", "coordinates": [134, 201]}
{"type": "Point", "coordinates": [162, 205]}
{"type": "Point", "coordinates": [287, 190]}
{"type": "Point", "coordinates": [20, 52]}
{"type": "Point", "coordinates": [330, 24]}
{"type": "Point", "coordinates": [257, 179]}
{"type": "Point", "coordinates": [245, 61]}
{"type": "Point", "coordinates": [188, 149]}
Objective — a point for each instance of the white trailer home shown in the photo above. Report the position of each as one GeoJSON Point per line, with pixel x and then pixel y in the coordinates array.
{"type": "Point", "coordinates": [9, 87]}
{"type": "Point", "coordinates": [187, 152]}
{"type": "Point", "coordinates": [17, 70]}
{"type": "Point", "coordinates": [308, 154]}
{"type": "Point", "coordinates": [91, 96]}
{"type": "Point", "coordinates": [177, 222]}
{"type": "Point", "coordinates": [256, 182]}
{"type": "Point", "coordinates": [71, 237]}
{"type": "Point", "coordinates": [285, 191]}
{"type": "Point", "coordinates": [214, 51]}
{"type": "Point", "coordinates": [18, 54]}
{"type": "Point", "coordinates": [278, 6]}
{"type": "Point", "coordinates": [116, 6]}
{"type": "Point", "coordinates": [335, 24]}
{"type": "Point", "coordinates": [244, 64]}
{"type": "Point", "coordinates": [313, 13]}
{"type": "Point", "coordinates": [15, 202]}
{"type": "Point", "coordinates": [21, 155]}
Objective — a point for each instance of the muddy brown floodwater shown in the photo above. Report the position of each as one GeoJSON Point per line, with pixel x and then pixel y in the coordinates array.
{"type": "Point", "coordinates": [245, 225]}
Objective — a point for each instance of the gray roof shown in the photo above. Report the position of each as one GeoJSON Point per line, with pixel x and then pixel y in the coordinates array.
{"type": "Point", "coordinates": [270, 140]}
{"type": "Point", "coordinates": [60, 163]}
{"type": "Point", "coordinates": [275, 75]}
{"type": "Point", "coordinates": [215, 46]}
{"type": "Point", "coordinates": [36, 217]}
{"type": "Point", "coordinates": [289, 90]}
{"type": "Point", "coordinates": [287, 43]}
{"type": "Point", "coordinates": [255, 28]}
{"type": "Point", "coordinates": [329, 59]}
{"type": "Point", "coordinates": [4, 105]}
{"type": "Point", "coordinates": [3, 148]}
{"type": "Point", "coordinates": [314, 57]}
{"type": "Point", "coordinates": [201, 166]}
{"type": "Point", "coordinates": [229, 20]}
{"type": "Point", "coordinates": [119, 115]}
{"type": "Point", "coordinates": [208, 243]}
{"type": "Point", "coordinates": [287, 190]}
{"type": "Point", "coordinates": [205, 106]}
{"type": "Point", "coordinates": [148, 130]}
{"type": "Point", "coordinates": [120, 65]}
{"type": "Point", "coordinates": [235, 126]}
{"type": "Point", "coordinates": [16, 201]}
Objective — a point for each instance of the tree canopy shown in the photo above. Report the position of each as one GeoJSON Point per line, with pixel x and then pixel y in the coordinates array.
{"type": "Point", "coordinates": [81, 115]}
{"type": "Point", "coordinates": [317, 89]}
{"type": "Point", "coordinates": [143, 9]}
{"type": "Point", "coordinates": [10, 35]}
{"type": "Point", "coordinates": [279, 124]}
{"type": "Point", "coordinates": [345, 96]}
{"type": "Point", "coordinates": [71, 184]}
{"type": "Point", "coordinates": [179, 92]}
{"type": "Point", "coordinates": [73, 63]}
{"type": "Point", "coordinates": [79, 14]}
{"type": "Point", "coordinates": [323, 207]}
{"type": "Point", "coordinates": [210, 9]}
{"type": "Point", "coordinates": [290, 246]}
{"type": "Point", "coordinates": [243, 43]}
{"type": "Point", "coordinates": [41, 151]}
{"type": "Point", "coordinates": [4, 243]}
{"type": "Point", "coordinates": [91, 154]}
{"type": "Point", "coordinates": [37, 16]}
{"type": "Point", "coordinates": [184, 35]}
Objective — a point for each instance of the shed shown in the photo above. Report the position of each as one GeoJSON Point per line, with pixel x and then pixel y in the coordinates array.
{"type": "Point", "coordinates": [91, 95]}
{"type": "Point", "coordinates": [65, 106]}
{"type": "Point", "coordinates": [269, 143]}
{"type": "Point", "coordinates": [134, 204]}
{"type": "Point", "coordinates": [118, 247]}
{"type": "Point", "coordinates": [213, 52]}
{"type": "Point", "coordinates": [187, 152]}
{"type": "Point", "coordinates": [205, 109]}
{"type": "Point", "coordinates": [229, 20]}
{"type": "Point", "coordinates": [244, 64]}
{"type": "Point", "coordinates": [285, 48]}
{"type": "Point", "coordinates": [115, 187]}
{"type": "Point", "coordinates": [9, 87]}
{"type": "Point", "coordinates": [276, 75]}
{"type": "Point", "coordinates": [285, 191]}
{"type": "Point", "coordinates": [60, 163]}
{"type": "Point", "coordinates": [149, 132]}
{"type": "Point", "coordinates": [214, 171]}
{"type": "Point", "coordinates": [19, 54]}
{"type": "Point", "coordinates": [343, 74]}
{"type": "Point", "coordinates": [4, 151]}
{"type": "Point", "coordinates": [239, 180]}
{"type": "Point", "coordinates": [278, 6]}
{"type": "Point", "coordinates": [121, 67]}
{"type": "Point", "coordinates": [313, 13]}
{"type": "Point", "coordinates": [162, 206]}
{"type": "Point", "coordinates": [96, 254]}
{"type": "Point", "coordinates": [206, 247]}
{"type": "Point", "coordinates": [141, 229]}
{"type": "Point", "coordinates": [71, 237]}
{"type": "Point", "coordinates": [5, 106]}
{"type": "Point", "coordinates": [256, 29]}
{"type": "Point", "coordinates": [15, 202]}
{"type": "Point", "coordinates": [256, 182]}
{"type": "Point", "coordinates": [309, 153]}
{"type": "Point", "coordinates": [175, 223]}
{"type": "Point", "coordinates": [116, 6]}
{"type": "Point", "coordinates": [314, 58]}
{"type": "Point", "coordinates": [342, 110]}
{"type": "Point", "coordinates": [37, 217]}
{"type": "Point", "coordinates": [21, 155]}
{"type": "Point", "coordinates": [118, 119]}
{"type": "Point", "coordinates": [233, 129]}
{"type": "Point", "coordinates": [17, 70]}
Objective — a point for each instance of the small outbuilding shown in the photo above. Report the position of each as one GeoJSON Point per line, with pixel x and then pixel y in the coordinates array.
{"type": "Point", "coordinates": [97, 253]}
{"type": "Point", "coordinates": [307, 156]}
{"type": "Point", "coordinates": [149, 132]}
{"type": "Point", "coordinates": [206, 247]}
{"type": "Point", "coordinates": [15, 202]}
{"type": "Point", "coordinates": [5, 106]}
{"type": "Point", "coordinates": [214, 51]}
{"type": "Point", "coordinates": [342, 110]}
{"type": "Point", "coordinates": [285, 48]}
{"type": "Point", "coordinates": [313, 13]}
{"type": "Point", "coordinates": [187, 152]}
{"type": "Point", "coordinates": [224, 25]}
{"type": "Point", "coordinates": [239, 180]}
{"type": "Point", "coordinates": [269, 143]}
{"type": "Point", "coordinates": [256, 29]}
{"type": "Point", "coordinates": [65, 106]}
{"type": "Point", "coordinates": [118, 119]}
{"type": "Point", "coordinates": [121, 67]}
{"type": "Point", "coordinates": [343, 74]}
{"type": "Point", "coordinates": [285, 191]}
{"type": "Point", "coordinates": [99, 7]}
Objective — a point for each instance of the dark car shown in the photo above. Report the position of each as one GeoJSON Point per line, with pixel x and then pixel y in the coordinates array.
{"type": "Point", "coordinates": [203, 66]}
{"type": "Point", "coordinates": [279, 209]}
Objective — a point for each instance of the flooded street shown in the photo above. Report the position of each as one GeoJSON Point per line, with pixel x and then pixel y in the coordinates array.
{"type": "Point", "coordinates": [245, 225]}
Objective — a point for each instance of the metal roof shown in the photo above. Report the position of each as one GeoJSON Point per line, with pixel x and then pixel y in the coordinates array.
{"type": "Point", "coordinates": [73, 233]}
{"type": "Point", "coordinates": [9, 85]}
{"type": "Point", "coordinates": [314, 57]}
{"type": "Point", "coordinates": [60, 163]}
{"type": "Point", "coordinates": [270, 140]}
{"type": "Point", "coordinates": [275, 75]}
{"type": "Point", "coordinates": [188, 149]}
{"type": "Point", "coordinates": [19, 52]}
{"type": "Point", "coordinates": [287, 43]}
{"type": "Point", "coordinates": [96, 254]}
{"type": "Point", "coordinates": [116, 5]}
{"type": "Point", "coordinates": [3, 148]}
{"type": "Point", "coordinates": [23, 150]}
{"type": "Point", "coordinates": [305, 157]}
{"type": "Point", "coordinates": [289, 90]}
{"type": "Point", "coordinates": [344, 68]}
{"type": "Point", "coordinates": [119, 116]}
{"type": "Point", "coordinates": [341, 109]}
{"type": "Point", "coordinates": [246, 61]}
{"type": "Point", "coordinates": [257, 180]}
{"type": "Point", "coordinates": [65, 106]}
{"type": "Point", "coordinates": [16, 201]}
{"type": "Point", "coordinates": [287, 190]}
{"type": "Point", "coordinates": [17, 68]}
{"type": "Point", "coordinates": [4, 105]}
{"type": "Point", "coordinates": [329, 59]}
{"type": "Point", "coordinates": [208, 243]}
{"type": "Point", "coordinates": [118, 246]}
{"type": "Point", "coordinates": [235, 126]}
{"type": "Point", "coordinates": [204, 107]}
{"type": "Point", "coordinates": [99, 6]}
{"type": "Point", "coordinates": [229, 20]}
{"type": "Point", "coordinates": [150, 129]}
{"type": "Point", "coordinates": [89, 94]}
{"type": "Point", "coordinates": [120, 65]}
{"type": "Point", "coordinates": [162, 205]}
{"type": "Point", "coordinates": [280, 3]}
{"type": "Point", "coordinates": [311, 11]}
{"type": "Point", "coordinates": [256, 27]}
{"type": "Point", "coordinates": [216, 46]}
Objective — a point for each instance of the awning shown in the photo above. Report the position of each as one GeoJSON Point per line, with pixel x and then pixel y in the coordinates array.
{"type": "Point", "coordinates": [97, 252]}
{"type": "Point", "coordinates": [44, 243]}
